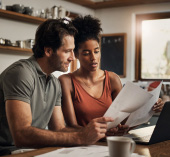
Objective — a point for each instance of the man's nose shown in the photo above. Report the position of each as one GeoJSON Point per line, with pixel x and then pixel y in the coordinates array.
{"type": "Point", "coordinates": [72, 56]}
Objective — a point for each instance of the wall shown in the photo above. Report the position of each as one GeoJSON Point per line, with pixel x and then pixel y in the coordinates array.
{"type": "Point", "coordinates": [114, 20]}
{"type": "Point", "coordinates": [16, 30]}
{"type": "Point", "coordinates": [122, 20]}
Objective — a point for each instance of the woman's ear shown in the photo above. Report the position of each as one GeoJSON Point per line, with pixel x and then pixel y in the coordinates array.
{"type": "Point", "coordinates": [48, 51]}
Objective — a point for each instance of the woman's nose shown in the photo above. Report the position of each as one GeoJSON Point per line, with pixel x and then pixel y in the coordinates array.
{"type": "Point", "coordinates": [92, 56]}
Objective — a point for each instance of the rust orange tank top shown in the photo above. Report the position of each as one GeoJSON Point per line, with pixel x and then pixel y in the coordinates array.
{"type": "Point", "coordinates": [87, 107]}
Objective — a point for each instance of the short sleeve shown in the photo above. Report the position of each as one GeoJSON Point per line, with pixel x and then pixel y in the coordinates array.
{"type": "Point", "coordinates": [18, 84]}
{"type": "Point", "coordinates": [59, 91]}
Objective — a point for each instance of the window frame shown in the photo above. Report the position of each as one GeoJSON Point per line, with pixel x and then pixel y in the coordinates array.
{"type": "Point", "coordinates": [138, 52]}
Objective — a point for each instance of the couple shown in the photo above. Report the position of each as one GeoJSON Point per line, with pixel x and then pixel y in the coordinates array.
{"type": "Point", "coordinates": [31, 98]}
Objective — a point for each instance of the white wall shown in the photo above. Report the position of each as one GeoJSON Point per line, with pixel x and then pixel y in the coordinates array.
{"type": "Point", "coordinates": [114, 20]}
{"type": "Point", "coordinates": [122, 20]}
{"type": "Point", "coordinates": [16, 30]}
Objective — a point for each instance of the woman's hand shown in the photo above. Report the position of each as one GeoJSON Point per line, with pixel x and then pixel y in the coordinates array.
{"type": "Point", "coordinates": [118, 131]}
{"type": "Point", "coordinates": [158, 106]}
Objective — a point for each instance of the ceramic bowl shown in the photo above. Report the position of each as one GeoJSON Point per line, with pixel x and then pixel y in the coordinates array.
{"type": "Point", "coordinates": [8, 7]}
{"type": "Point", "coordinates": [18, 8]}
{"type": "Point", "coordinates": [28, 10]}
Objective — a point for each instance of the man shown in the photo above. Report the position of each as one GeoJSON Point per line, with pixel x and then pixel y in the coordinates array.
{"type": "Point", "coordinates": [30, 96]}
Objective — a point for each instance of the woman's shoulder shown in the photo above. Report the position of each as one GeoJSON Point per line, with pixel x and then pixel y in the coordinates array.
{"type": "Point", "coordinates": [66, 82]}
{"type": "Point", "coordinates": [65, 78]}
{"type": "Point", "coordinates": [113, 76]}
{"type": "Point", "coordinates": [115, 81]}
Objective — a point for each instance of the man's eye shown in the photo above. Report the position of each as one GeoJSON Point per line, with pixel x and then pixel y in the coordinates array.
{"type": "Point", "coordinates": [96, 51]}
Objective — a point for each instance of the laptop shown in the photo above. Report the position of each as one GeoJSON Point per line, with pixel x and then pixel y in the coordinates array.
{"type": "Point", "coordinates": [154, 134]}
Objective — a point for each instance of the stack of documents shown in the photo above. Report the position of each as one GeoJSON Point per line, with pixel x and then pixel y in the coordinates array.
{"type": "Point", "coordinates": [84, 151]}
{"type": "Point", "coordinates": [133, 103]}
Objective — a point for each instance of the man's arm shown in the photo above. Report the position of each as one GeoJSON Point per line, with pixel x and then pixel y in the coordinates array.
{"type": "Point", "coordinates": [57, 122]}
{"type": "Point", "coordinates": [20, 119]}
{"type": "Point", "coordinates": [67, 102]}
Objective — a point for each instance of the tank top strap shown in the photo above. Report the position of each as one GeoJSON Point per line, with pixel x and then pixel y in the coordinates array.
{"type": "Point", "coordinates": [107, 81]}
{"type": "Point", "coordinates": [73, 79]}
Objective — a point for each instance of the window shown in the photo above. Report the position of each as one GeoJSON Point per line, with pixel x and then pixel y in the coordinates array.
{"type": "Point", "coordinates": [153, 47]}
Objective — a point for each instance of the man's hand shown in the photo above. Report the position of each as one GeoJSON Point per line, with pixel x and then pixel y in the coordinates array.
{"type": "Point", "coordinates": [118, 131]}
{"type": "Point", "coordinates": [95, 130]}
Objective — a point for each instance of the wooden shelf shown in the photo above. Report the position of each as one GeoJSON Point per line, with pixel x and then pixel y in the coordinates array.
{"type": "Point", "coordinates": [21, 17]}
{"type": "Point", "coordinates": [26, 18]}
{"type": "Point", "coordinates": [15, 49]}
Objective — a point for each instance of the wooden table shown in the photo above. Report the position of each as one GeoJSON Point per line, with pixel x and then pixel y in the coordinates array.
{"type": "Point", "coordinates": [155, 150]}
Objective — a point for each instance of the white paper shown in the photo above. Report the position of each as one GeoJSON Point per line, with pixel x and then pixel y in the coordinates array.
{"type": "Point", "coordinates": [129, 99]}
{"type": "Point", "coordinates": [84, 151]}
{"type": "Point", "coordinates": [143, 114]}
{"type": "Point", "coordinates": [21, 151]}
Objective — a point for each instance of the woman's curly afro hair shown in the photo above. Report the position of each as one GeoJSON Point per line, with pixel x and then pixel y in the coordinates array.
{"type": "Point", "coordinates": [88, 28]}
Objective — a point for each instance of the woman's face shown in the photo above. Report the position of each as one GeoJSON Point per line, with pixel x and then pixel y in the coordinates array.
{"type": "Point", "coordinates": [89, 55]}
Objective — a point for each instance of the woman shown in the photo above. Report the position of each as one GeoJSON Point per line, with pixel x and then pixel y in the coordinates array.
{"type": "Point", "coordinates": [88, 91]}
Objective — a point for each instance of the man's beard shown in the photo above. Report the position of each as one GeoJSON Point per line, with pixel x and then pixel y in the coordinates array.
{"type": "Point", "coordinates": [56, 64]}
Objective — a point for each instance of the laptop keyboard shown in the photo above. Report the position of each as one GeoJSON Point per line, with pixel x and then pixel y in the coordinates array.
{"type": "Point", "coordinates": [144, 138]}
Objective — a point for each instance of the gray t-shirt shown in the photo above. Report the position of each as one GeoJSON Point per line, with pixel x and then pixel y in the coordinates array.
{"type": "Point", "coordinates": [25, 81]}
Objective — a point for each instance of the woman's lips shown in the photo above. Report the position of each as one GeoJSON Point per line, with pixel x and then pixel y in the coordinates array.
{"type": "Point", "coordinates": [94, 65]}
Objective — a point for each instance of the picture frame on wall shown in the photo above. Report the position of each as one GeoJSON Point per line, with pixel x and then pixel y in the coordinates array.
{"type": "Point", "coordinates": [113, 53]}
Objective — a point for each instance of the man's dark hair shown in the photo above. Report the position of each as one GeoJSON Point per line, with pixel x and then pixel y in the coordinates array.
{"type": "Point", "coordinates": [50, 34]}
{"type": "Point", "coordinates": [88, 28]}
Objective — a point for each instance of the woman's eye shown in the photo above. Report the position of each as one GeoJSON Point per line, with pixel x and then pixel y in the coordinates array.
{"type": "Point", "coordinates": [97, 51]}
{"type": "Point", "coordinates": [85, 54]}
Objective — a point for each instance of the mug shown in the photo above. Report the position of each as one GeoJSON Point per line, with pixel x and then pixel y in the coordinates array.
{"type": "Point", "coordinates": [120, 146]}
{"type": "Point", "coordinates": [54, 12]}
{"type": "Point", "coordinates": [20, 43]}
{"type": "Point", "coordinates": [62, 12]}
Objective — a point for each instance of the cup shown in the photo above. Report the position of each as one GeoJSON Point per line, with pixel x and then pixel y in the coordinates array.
{"type": "Point", "coordinates": [42, 13]}
{"type": "Point", "coordinates": [36, 13]}
{"type": "Point", "coordinates": [54, 12]}
{"type": "Point", "coordinates": [120, 146]}
{"type": "Point", "coordinates": [62, 12]}
{"type": "Point", "coordinates": [20, 43]}
{"type": "Point", "coordinates": [29, 43]}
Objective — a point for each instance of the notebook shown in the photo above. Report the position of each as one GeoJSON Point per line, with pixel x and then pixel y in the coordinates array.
{"type": "Point", "coordinates": [154, 134]}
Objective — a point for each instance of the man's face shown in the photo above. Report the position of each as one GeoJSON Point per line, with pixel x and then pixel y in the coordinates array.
{"type": "Point", "coordinates": [60, 60]}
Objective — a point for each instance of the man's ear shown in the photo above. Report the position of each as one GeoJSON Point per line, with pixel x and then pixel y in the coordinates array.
{"type": "Point", "coordinates": [48, 51]}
